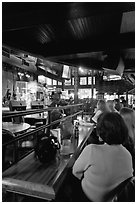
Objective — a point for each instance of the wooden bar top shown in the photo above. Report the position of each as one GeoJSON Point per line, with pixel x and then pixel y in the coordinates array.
{"type": "Point", "coordinates": [32, 178]}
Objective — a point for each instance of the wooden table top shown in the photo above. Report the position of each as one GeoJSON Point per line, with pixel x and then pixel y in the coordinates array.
{"type": "Point", "coordinates": [30, 177]}
{"type": "Point", "coordinates": [5, 109]}
{"type": "Point", "coordinates": [14, 127]}
{"type": "Point", "coordinates": [36, 116]}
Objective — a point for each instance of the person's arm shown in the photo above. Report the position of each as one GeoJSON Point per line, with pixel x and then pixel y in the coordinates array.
{"type": "Point", "coordinates": [95, 117]}
{"type": "Point", "coordinates": [83, 162]}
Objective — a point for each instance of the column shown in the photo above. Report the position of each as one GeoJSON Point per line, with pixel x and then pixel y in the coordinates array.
{"type": "Point", "coordinates": [63, 84]}
{"type": "Point", "coordinates": [92, 84]}
{"type": "Point", "coordinates": [127, 98]}
{"type": "Point", "coordinates": [76, 84]}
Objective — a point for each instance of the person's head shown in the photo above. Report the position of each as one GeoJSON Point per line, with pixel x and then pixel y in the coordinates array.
{"type": "Point", "coordinates": [117, 104]}
{"type": "Point", "coordinates": [56, 96]}
{"type": "Point", "coordinates": [116, 100]}
{"type": "Point", "coordinates": [128, 115]}
{"type": "Point", "coordinates": [111, 128]}
{"type": "Point", "coordinates": [110, 105]}
{"type": "Point", "coordinates": [101, 105]}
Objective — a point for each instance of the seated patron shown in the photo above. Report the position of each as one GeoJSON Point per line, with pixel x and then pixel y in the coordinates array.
{"type": "Point", "coordinates": [101, 108]}
{"type": "Point", "coordinates": [117, 104]}
{"type": "Point", "coordinates": [101, 168]}
{"type": "Point", "coordinates": [111, 106]}
{"type": "Point", "coordinates": [128, 115]}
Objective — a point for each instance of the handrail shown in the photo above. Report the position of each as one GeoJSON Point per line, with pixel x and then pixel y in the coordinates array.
{"type": "Point", "coordinates": [26, 134]}
{"type": "Point", "coordinates": [37, 129]}
{"type": "Point", "coordinates": [34, 111]}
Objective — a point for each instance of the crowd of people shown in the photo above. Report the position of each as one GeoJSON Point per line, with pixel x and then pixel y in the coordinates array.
{"type": "Point", "coordinates": [102, 166]}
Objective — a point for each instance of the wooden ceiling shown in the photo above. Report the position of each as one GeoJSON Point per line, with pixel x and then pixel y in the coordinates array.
{"type": "Point", "coordinates": [91, 34]}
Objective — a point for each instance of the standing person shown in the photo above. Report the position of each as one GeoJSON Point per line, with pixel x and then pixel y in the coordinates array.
{"type": "Point", "coordinates": [101, 108]}
{"type": "Point", "coordinates": [111, 106]}
{"type": "Point", "coordinates": [101, 168]}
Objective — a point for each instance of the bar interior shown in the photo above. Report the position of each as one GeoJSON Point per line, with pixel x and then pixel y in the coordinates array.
{"type": "Point", "coordinates": [68, 101]}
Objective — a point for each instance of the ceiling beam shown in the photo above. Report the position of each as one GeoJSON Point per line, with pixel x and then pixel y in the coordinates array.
{"type": "Point", "coordinates": [84, 62]}
{"type": "Point", "coordinates": [23, 15]}
{"type": "Point", "coordinates": [90, 45]}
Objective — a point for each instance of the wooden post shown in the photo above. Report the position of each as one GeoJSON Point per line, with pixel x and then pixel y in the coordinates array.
{"type": "Point", "coordinates": [92, 85]}
{"type": "Point", "coordinates": [63, 84]}
{"type": "Point", "coordinates": [127, 98]}
{"type": "Point", "coordinates": [76, 84]}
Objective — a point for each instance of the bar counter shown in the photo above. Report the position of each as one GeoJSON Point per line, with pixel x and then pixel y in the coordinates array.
{"type": "Point", "coordinates": [31, 178]}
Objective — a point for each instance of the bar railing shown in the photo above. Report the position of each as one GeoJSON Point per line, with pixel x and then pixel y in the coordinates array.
{"type": "Point", "coordinates": [34, 132]}
{"type": "Point", "coordinates": [34, 111]}
{"type": "Point", "coordinates": [24, 135]}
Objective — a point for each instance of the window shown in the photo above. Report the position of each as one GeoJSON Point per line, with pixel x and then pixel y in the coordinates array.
{"type": "Point", "coordinates": [49, 81]}
{"type": "Point", "coordinates": [83, 80]}
{"type": "Point", "coordinates": [54, 82]}
{"type": "Point", "coordinates": [68, 82]}
{"type": "Point", "coordinates": [94, 80]}
{"type": "Point", "coordinates": [59, 83]}
{"type": "Point", "coordinates": [89, 80]}
{"type": "Point", "coordinates": [73, 81]}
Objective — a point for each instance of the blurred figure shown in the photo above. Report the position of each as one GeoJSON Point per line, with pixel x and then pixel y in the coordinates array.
{"type": "Point", "coordinates": [55, 97]}
{"type": "Point", "coordinates": [55, 115]}
{"type": "Point", "coordinates": [128, 115]}
{"type": "Point", "coordinates": [111, 106]}
{"type": "Point", "coordinates": [123, 101]}
{"type": "Point", "coordinates": [6, 99]}
{"type": "Point", "coordinates": [101, 108]}
{"type": "Point", "coordinates": [103, 167]}
{"type": "Point", "coordinates": [117, 104]}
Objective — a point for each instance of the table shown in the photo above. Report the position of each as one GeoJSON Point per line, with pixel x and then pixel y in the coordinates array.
{"type": "Point", "coordinates": [15, 128]}
{"type": "Point", "coordinates": [32, 119]}
{"type": "Point", "coordinates": [31, 178]}
{"type": "Point", "coordinates": [5, 109]}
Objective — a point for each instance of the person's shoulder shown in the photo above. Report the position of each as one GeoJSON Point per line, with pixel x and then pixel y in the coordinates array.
{"type": "Point", "coordinates": [92, 146]}
{"type": "Point", "coordinates": [95, 149]}
{"type": "Point", "coordinates": [116, 111]}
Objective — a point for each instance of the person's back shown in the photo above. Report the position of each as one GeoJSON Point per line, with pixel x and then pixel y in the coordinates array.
{"type": "Point", "coordinates": [109, 166]}
{"type": "Point", "coordinates": [103, 167]}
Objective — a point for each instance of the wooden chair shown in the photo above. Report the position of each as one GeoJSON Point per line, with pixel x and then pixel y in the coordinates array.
{"type": "Point", "coordinates": [127, 192]}
{"type": "Point", "coordinates": [124, 192]}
